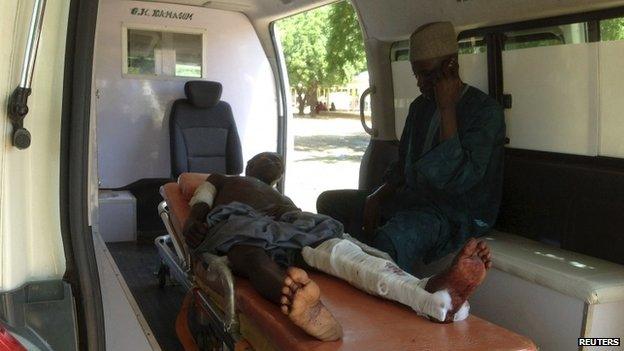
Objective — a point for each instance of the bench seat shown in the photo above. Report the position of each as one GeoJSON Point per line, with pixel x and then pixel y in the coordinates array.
{"type": "Point", "coordinates": [553, 296]}
{"type": "Point", "coordinates": [586, 278]}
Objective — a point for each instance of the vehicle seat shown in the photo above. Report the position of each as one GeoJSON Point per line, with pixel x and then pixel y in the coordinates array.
{"type": "Point", "coordinates": [203, 133]}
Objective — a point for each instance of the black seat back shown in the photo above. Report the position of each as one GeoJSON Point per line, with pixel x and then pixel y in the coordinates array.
{"type": "Point", "coordinates": [204, 138]}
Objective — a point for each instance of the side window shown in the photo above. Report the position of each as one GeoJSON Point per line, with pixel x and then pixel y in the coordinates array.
{"type": "Point", "coordinates": [551, 73]}
{"type": "Point", "coordinates": [566, 87]}
{"type": "Point", "coordinates": [162, 53]}
{"type": "Point", "coordinates": [473, 70]}
{"type": "Point", "coordinates": [549, 36]}
{"type": "Point", "coordinates": [473, 62]}
{"type": "Point", "coordinates": [612, 29]}
{"type": "Point", "coordinates": [611, 71]}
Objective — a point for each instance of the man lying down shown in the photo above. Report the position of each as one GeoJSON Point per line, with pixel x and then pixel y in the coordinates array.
{"type": "Point", "coordinates": [270, 241]}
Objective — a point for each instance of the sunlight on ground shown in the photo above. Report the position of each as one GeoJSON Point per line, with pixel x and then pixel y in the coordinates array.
{"type": "Point", "coordinates": [327, 156]}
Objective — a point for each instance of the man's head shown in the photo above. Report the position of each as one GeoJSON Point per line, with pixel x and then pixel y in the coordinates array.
{"type": "Point", "coordinates": [433, 50]}
{"type": "Point", "coordinates": [266, 166]}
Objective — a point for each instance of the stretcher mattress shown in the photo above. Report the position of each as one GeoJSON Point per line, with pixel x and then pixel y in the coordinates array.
{"type": "Point", "coordinates": [369, 323]}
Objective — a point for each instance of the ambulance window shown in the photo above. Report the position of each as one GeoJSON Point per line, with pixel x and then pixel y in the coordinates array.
{"type": "Point", "coordinates": [612, 29]}
{"type": "Point", "coordinates": [400, 51]}
{"type": "Point", "coordinates": [473, 45]}
{"type": "Point", "coordinates": [551, 74]}
{"type": "Point", "coordinates": [142, 47]}
{"type": "Point", "coordinates": [611, 85]}
{"type": "Point", "coordinates": [188, 54]}
{"type": "Point", "coordinates": [162, 53]}
{"type": "Point", "coordinates": [575, 33]}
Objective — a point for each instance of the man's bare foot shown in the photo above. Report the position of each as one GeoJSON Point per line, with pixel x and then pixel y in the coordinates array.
{"type": "Point", "coordinates": [465, 274]}
{"type": "Point", "coordinates": [301, 302]}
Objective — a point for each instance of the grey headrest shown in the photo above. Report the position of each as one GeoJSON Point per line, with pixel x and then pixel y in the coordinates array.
{"type": "Point", "coordinates": [203, 94]}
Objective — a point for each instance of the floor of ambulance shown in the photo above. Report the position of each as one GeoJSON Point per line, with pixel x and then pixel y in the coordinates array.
{"type": "Point", "coordinates": [138, 261]}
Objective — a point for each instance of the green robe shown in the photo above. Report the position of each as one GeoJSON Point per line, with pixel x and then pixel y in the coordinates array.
{"type": "Point", "coordinates": [448, 191]}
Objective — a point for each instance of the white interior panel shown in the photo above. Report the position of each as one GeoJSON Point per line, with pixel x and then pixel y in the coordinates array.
{"type": "Point", "coordinates": [552, 320]}
{"type": "Point", "coordinates": [555, 95]}
{"type": "Point", "coordinates": [473, 70]}
{"type": "Point", "coordinates": [126, 328]}
{"type": "Point", "coordinates": [611, 102]}
{"type": "Point", "coordinates": [133, 114]}
{"type": "Point", "coordinates": [31, 246]}
{"type": "Point", "coordinates": [405, 91]}
{"type": "Point", "coordinates": [606, 321]}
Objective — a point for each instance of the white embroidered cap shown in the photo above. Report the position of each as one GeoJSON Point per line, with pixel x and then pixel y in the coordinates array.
{"type": "Point", "coordinates": [433, 40]}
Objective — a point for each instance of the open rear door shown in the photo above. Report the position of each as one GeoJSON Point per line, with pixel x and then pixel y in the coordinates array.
{"type": "Point", "coordinates": [49, 285]}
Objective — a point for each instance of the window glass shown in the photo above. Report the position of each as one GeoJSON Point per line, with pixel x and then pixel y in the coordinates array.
{"type": "Point", "coordinates": [400, 51]}
{"type": "Point", "coordinates": [188, 51]}
{"type": "Point", "coordinates": [575, 33]}
{"type": "Point", "coordinates": [612, 29]}
{"type": "Point", "coordinates": [474, 45]}
{"type": "Point", "coordinates": [553, 86]}
{"type": "Point", "coordinates": [142, 46]}
{"type": "Point", "coordinates": [611, 73]}
{"type": "Point", "coordinates": [169, 54]}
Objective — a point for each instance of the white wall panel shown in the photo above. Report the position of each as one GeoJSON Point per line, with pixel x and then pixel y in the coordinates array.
{"type": "Point", "coordinates": [31, 246]}
{"type": "Point", "coordinates": [606, 321]}
{"type": "Point", "coordinates": [405, 91]}
{"type": "Point", "coordinates": [552, 320]}
{"type": "Point", "coordinates": [555, 98]}
{"type": "Point", "coordinates": [612, 99]}
{"type": "Point", "coordinates": [473, 70]}
{"type": "Point", "coordinates": [132, 114]}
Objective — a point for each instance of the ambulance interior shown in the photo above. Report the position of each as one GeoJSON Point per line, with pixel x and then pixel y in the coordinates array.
{"type": "Point", "coordinates": [558, 247]}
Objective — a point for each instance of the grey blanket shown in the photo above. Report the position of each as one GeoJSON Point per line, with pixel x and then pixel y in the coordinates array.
{"type": "Point", "coordinates": [237, 223]}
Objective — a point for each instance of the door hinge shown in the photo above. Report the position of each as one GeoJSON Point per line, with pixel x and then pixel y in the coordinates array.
{"type": "Point", "coordinates": [18, 109]}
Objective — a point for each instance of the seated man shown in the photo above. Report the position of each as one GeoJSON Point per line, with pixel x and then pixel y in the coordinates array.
{"type": "Point", "coordinates": [447, 183]}
{"type": "Point", "coordinates": [263, 234]}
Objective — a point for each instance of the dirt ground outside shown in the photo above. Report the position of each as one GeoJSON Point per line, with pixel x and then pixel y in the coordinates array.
{"type": "Point", "coordinates": [327, 155]}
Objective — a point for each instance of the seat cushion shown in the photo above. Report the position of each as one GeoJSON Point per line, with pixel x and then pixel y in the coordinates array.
{"type": "Point", "coordinates": [587, 278]}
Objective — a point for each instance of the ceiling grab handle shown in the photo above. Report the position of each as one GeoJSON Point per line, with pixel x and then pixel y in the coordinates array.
{"type": "Point", "coordinates": [18, 102]}
{"type": "Point", "coordinates": [369, 130]}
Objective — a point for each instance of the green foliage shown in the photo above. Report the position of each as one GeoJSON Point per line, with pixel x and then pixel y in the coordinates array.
{"type": "Point", "coordinates": [612, 29]}
{"type": "Point", "coordinates": [304, 41]}
{"type": "Point", "coordinates": [345, 49]}
{"type": "Point", "coordinates": [323, 48]}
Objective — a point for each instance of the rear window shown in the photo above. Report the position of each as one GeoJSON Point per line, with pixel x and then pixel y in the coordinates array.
{"type": "Point", "coordinates": [155, 53]}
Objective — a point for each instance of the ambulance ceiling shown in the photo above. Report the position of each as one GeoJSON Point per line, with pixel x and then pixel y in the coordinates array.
{"type": "Point", "coordinates": [391, 20]}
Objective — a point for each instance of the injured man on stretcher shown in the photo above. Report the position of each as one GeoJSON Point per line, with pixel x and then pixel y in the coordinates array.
{"type": "Point", "coordinates": [270, 241]}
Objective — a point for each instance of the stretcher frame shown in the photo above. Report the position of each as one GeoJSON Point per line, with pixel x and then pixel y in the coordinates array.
{"type": "Point", "coordinates": [222, 320]}
{"type": "Point", "coordinates": [234, 325]}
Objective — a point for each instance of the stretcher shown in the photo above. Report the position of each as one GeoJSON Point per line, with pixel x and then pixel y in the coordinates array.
{"type": "Point", "coordinates": [239, 318]}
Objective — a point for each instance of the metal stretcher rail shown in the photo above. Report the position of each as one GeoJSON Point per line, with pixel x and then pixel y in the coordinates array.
{"type": "Point", "coordinates": [222, 319]}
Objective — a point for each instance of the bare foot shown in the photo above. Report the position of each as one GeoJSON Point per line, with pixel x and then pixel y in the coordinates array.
{"type": "Point", "coordinates": [301, 302]}
{"type": "Point", "coordinates": [465, 274]}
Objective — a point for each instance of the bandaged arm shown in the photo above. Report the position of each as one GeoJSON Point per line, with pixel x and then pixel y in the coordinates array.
{"type": "Point", "coordinates": [201, 203]}
{"type": "Point", "coordinates": [203, 199]}
{"type": "Point", "coordinates": [204, 193]}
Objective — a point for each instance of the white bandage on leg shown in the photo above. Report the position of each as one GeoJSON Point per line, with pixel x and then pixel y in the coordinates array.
{"type": "Point", "coordinates": [462, 313]}
{"type": "Point", "coordinates": [368, 249]}
{"type": "Point", "coordinates": [345, 260]}
{"type": "Point", "coordinates": [204, 193]}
